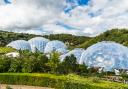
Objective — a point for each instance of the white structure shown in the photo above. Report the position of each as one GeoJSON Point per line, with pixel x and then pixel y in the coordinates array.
{"type": "Point", "coordinates": [20, 45]}
{"type": "Point", "coordinates": [76, 52]}
{"type": "Point", "coordinates": [62, 51]}
{"type": "Point", "coordinates": [13, 54]}
{"type": "Point", "coordinates": [106, 54]}
{"type": "Point", "coordinates": [117, 72]}
{"type": "Point", "coordinates": [54, 46]}
{"type": "Point", "coordinates": [38, 44]}
{"type": "Point", "coordinates": [100, 70]}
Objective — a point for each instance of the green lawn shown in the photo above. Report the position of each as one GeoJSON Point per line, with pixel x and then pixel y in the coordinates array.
{"type": "Point", "coordinates": [59, 81]}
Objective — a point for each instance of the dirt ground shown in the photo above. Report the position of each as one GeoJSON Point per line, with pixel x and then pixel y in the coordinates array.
{"type": "Point", "coordinates": [3, 86]}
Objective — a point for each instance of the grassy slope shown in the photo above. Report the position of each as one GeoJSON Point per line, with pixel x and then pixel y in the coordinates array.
{"type": "Point", "coordinates": [4, 50]}
{"type": "Point", "coordinates": [116, 35]}
{"type": "Point", "coordinates": [77, 81]}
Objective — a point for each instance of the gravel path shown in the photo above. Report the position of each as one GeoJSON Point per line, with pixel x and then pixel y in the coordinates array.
{"type": "Point", "coordinates": [3, 86]}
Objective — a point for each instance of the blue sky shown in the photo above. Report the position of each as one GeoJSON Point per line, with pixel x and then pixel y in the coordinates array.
{"type": "Point", "coordinates": [77, 17]}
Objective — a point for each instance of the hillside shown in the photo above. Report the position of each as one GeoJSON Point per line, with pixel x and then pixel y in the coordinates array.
{"type": "Point", "coordinates": [116, 35]}
{"type": "Point", "coordinates": [70, 40]}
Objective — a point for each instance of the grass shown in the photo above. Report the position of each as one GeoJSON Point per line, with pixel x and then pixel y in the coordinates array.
{"type": "Point", "coordinates": [4, 50]}
{"type": "Point", "coordinates": [70, 81]}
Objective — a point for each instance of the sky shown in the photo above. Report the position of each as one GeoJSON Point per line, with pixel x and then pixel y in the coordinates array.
{"type": "Point", "coordinates": [77, 17]}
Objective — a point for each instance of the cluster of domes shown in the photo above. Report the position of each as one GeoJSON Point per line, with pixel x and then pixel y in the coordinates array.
{"type": "Point", "coordinates": [108, 55]}
{"type": "Point", "coordinates": [39, 44]}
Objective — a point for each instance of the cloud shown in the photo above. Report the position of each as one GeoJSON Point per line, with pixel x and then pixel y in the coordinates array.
{"type": "Point", "coordinates": [98, 16]}
{"type": "Point", "coordinates": [28, 14]}
{"type": "Point", "coordinates": [41, 16]}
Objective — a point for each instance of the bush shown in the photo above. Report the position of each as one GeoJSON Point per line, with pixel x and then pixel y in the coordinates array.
{"type": "Point", "coordinates": [4, 64]}
{"type": "Point", "coordinates": [15, 65]}
{"type": "Point", "coordinates": [96, 80]}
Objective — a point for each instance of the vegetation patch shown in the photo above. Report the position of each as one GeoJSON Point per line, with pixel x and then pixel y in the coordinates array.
{"type": "Point", "coordinates": [4, 50]}
{"type": "Point", "coordinates": [70, 81]}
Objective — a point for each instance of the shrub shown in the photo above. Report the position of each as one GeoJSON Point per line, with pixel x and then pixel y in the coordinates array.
{"type": "Point", "coordinates": [15, 65]}
{"type": "Point", "coordinates": [4, 64]}
{"type": "Point", "coordinates": [96, 80]}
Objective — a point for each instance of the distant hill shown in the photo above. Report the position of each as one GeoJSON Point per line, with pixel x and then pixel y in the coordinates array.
{"type": "Point", "coordinates": [70, 40]}
{"type": "Point", "coordinates": [116, 35]}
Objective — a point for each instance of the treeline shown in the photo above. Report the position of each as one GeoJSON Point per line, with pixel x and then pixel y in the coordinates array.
{"type": "Point", "coordinates": [29, 62]}
{"type": "Point", "coordinates": [70, 40]}
{"type": "Point", "coordinates": [116, 35]}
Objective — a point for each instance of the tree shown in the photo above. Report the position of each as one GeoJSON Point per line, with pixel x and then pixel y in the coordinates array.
{"type": "Point", "coordinates": [69, 64]}
{"type": "Point", "coordinates": [54, 62]}
{"type": "Point", "coordinates": [15, 65]}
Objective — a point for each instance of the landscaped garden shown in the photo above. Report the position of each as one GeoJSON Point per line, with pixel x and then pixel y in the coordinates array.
{"type": "Point", "coordinates": [36, 69]}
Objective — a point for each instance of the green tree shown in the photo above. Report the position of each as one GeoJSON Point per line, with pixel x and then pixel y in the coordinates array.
{"type": "Point", "coordinates": [54, 62]}
{"type": "Point", "coordinates": [69, 64]}
{"type": "Point", "coordinates": [16, 65]}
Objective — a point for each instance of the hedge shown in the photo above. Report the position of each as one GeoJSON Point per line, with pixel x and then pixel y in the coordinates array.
{"type": "Point", "coordinates": [57, 81]}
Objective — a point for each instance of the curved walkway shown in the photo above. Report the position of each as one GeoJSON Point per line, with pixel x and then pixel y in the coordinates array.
{"type": "Point", "coordinates": [3, 86]}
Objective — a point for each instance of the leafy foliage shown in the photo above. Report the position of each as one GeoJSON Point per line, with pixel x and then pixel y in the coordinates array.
{"type": "Point", "coordinates": [29, 62]}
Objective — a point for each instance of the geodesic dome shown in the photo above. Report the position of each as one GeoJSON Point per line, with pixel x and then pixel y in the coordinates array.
{"type": "Point", "coordinates": [20, 45]}
{"type": "Point", "coordinates": [38, 43]}
{"type": "Point", "coordinates": [76, 52]}
{"type": "Point", "coordinates": [106, 54]}
{"type": "Point", "coordinates": [62, 51]}
{"type": "Point", "coordinates": [54, 45]}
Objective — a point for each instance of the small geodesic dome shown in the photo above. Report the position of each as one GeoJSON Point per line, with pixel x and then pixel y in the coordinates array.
{"type": "Point", "coordinates": [20, 45]}
{"type": "Point", "coordinates": [76, 52]}
{"type": "Point", "coordinates": [38, 44]}
{"type": "Point", "coordinates": [54, 46]}
{"type": "Point", "coordinates": [62, 51]}
{"type": "Point", "coordinates": [109, 55]}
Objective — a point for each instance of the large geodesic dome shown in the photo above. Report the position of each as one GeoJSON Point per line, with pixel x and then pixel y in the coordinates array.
{"type": "Point", "coordinates": [38, 44]}
{"type": "Point", "coordinates": [20, 45]}
{"type": "Point", "coordinates": [76, 52]}
{"type": "Point", "coordinates": [54, 45]}
{"type": "Point", "coordinates": [109, 55]}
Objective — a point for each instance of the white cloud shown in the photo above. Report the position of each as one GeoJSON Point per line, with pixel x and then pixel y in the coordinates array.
{"type": "Point", "coordinates": [27, 14]}
{"type": "Point", "coordinates": [92, 19]}
{"type": "Point", "coordinates": [107, 14]}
